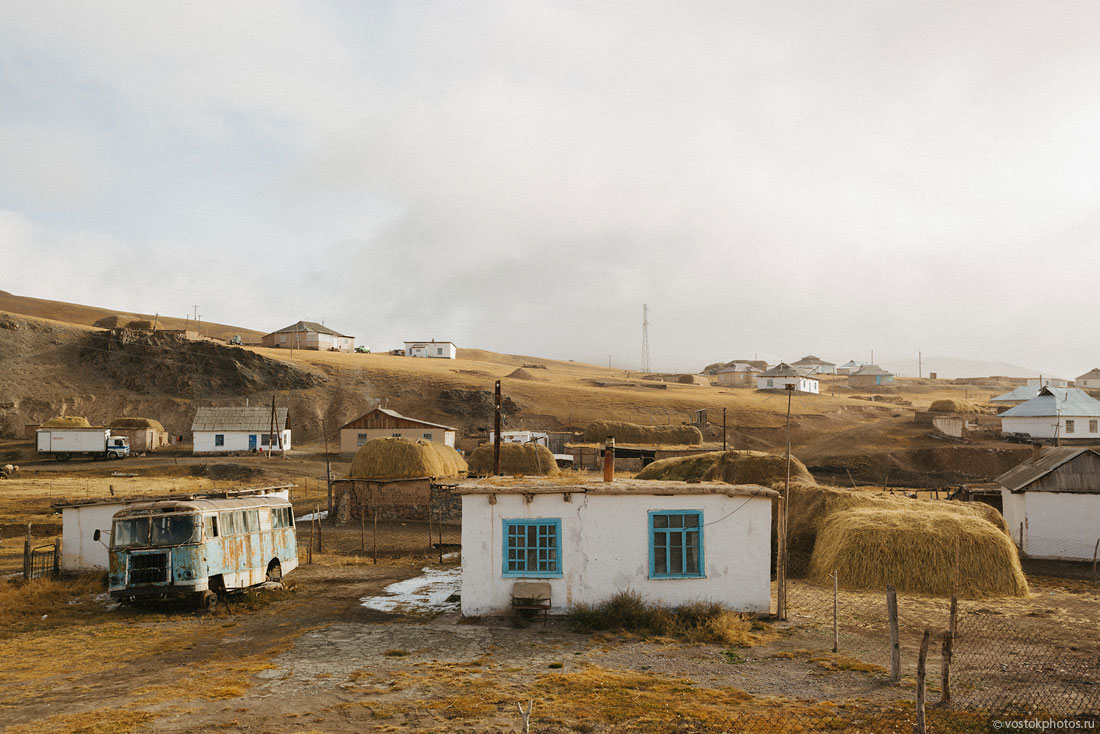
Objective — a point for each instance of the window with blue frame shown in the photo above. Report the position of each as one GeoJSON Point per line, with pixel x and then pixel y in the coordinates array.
{"type": "Point", "coordinates": [675, 544]}
{"type": "Point", "coordinates": [532, 548]}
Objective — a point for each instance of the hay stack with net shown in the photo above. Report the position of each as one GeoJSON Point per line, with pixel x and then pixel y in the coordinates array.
{"type": "Point", "coordinates": [732, 467]}
{"type": "Point", "coordinates": [403, 458]}
{"type": "Point", "coordinates": [67, 421]}
{"type": "Point", "coordinates": [951, 405]}
{"type": "Point", "coordinates": [632, 433]}
{"type": "Point", "coordinates": [515, 458]}
{"type": "Point", "coordinates": [137, 423]}
{"type": "Point", "coordinates": [916, 551]}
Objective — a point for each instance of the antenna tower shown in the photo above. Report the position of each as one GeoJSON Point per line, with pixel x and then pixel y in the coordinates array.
{"type": "Point", "coordinates": [645, 338]}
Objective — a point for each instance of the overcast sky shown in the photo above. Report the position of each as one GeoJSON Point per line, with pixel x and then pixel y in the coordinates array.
{"type": "Point", "coordinates": [773, 179]}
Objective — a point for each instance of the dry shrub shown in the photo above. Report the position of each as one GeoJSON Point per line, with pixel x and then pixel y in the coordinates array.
{"type": "Point", "coordinates": [632, 433]}
{"type": "Point", "coordinates": [732, 467]}
{"type": "Point", "coordinates": [926, 552]}
{"type": "Point", "coordinates": [951, 405]}
{"type": "Point", "coordinates": [137, 423]}
{"type": "Point", "coordinates": [403, 458]}
{"type": "Point", "coordinates": [23, 602]}
{"type": "Point", "coordinates": [515, 458]}
{"type": "Point", "coordinates": [67, 421]}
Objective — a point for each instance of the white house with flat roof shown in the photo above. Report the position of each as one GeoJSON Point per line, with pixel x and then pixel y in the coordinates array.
{"type": "Point", "coordinates": [671, 542]}
{"type": "Point", "coordinates": [433, 349]}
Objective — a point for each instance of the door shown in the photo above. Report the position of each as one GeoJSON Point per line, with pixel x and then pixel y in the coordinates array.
{"type": "Point", "coordinates": [252, 442]}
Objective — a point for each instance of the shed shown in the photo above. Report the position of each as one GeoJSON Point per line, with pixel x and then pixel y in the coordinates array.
{"type": "Point", "coordinates": [1090, 379]}
{"type": "Point", "coordinates": [672, 542]}
{"type": "Point", "coordinates": [431, 348]}
{"type": "Point", "coordinates": [783, 374]}
{"type": "Point", "coordinates": [869, 375]}
{"type": "Point", "coordinates": [384, 423]}
{"type": "Point", "coordinates": [1018, 395]}
{"type": "Point", "coordinates": [143, 434]}
{"type": "Point", "coordinates": [1051, 503]}
{"type": "Point", "coordinates": [1061, 414]}
{"type": "Point", "coordinates": [308, 335]}
{"type": "Point", "coordinates": [229, 430]}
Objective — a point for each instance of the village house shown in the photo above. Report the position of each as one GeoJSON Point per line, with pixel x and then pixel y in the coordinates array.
{"type": "Point", "coordinates": [1037, 382]}
{"type": "Point", "coordinates": [230, 430]}
{"type": "Point", "coordinates": [778, 377]}
{"type": "Point", "coordinates": [382, 423]}
{"type": "Point", "coordinates": [1090, 379]}
{"type": "Point", "coordinates": [1018, 395]}
{"type": "Point", "coordinates": [1064, 414]}
{"type": "Point", "coordinates": [308, 335]}
{"type": "Point", "coordinates": [671, 542]}
{"type": "Point", "coordinates": [434, 349]}
{"type": "Point", "coordinates": [869, 375]}
{"type": "Point", "coordinates": [143, 434]}
{"type": "Point", "coordinates": [1051, 503]}
{"type": "Point", "coordinates": [849, 367]}
{"type": "Point", "coordinates": [738, 374]}
{"type": "Point", "coordinates": [815, 366]}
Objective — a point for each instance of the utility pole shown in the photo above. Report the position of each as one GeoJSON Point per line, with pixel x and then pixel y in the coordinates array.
{"type": "Point", "coordinates": [920, 365]}
{"type": "Point", "coordinates": [723, 429]}
{"type": "Point", "coordinates": [271, 429]}
{"type": "Point", "coordinates": [496, 431]}
{"type": "Point", "coordinates": [645, 338]}
{"type": "Point", "coordinates": [328, 475]}
{"type": "Point", "coordinates": [781, 564]}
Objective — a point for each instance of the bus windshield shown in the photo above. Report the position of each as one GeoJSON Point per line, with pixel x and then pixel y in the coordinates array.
{"type": "Point", "coordinates": [153, 531]}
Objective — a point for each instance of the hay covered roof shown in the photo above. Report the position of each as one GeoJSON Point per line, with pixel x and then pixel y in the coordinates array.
{"type": "Point", "coordinates": [636, 487]}
{"type": "Point", "coordinates": [137, 423]}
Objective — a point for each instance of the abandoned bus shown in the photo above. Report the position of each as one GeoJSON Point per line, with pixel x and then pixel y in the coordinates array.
{"type": "Point", "coordinates": [197, 548]}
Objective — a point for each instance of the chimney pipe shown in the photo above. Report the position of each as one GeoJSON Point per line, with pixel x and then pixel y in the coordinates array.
{"type": "Point", "coordinates": [609, 459]}
{"type": "Point", "coordinates": [1036, 450]}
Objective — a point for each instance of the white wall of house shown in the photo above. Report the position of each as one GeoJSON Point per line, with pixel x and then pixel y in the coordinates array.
{"type": "Point", "coordinates": [352, 438]}
{"type": "Point", "coordinates": [536, 437]}
{"type": "Point", "coordinates": [1047, 382]}
{"type": "Point", "coordinates": [801, 384]}
{"type": "Point", "coordinates": [79, 552]}
{"type": "Point", "coordinates": [1043, 426]}
{"type": "Point", "coordinates": [206, 441]}
{"type": "Point", "coordinates": [606, 546]}
{"type": "Point", "coordinates": [438, 350]}
{"type": "Point", "coordinates": [1057, 525]}
{"type": "Point", "coordinates": [1090, 382]}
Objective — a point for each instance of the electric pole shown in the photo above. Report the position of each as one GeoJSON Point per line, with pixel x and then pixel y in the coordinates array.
{"type": "Point", "coordinates": [645, 338]}
{"type": "Point", "coordinates": [496, 431]}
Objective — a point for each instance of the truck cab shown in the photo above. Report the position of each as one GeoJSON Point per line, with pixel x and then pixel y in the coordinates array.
{"type": "Point", "coordinates": [118, 447]}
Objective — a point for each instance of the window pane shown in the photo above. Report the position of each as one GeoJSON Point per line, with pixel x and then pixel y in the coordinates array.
{"type": "Point", "coordinates": [691, 521]}
{"type": "Point", "coordinates": [660, 553]}
{"type": "Point", "coordinates": [691, 551]}
{"type": "Point", "coordinates": [676, 552]}
{"type": "Point", "coordinates": [676, 521]}
{"type": "Point", "coordinates": [660, 521]}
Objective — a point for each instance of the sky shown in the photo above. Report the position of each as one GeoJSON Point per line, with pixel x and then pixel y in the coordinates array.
{"type": "Point", "coordinates": [773, 179]}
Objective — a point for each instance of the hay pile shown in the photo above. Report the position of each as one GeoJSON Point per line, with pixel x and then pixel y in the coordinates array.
{"type": "Point", "coordinates": [732, 467]}
{"type": "Point", "coordinates": [515, 458]}
{"type": "Point", "coordinates": [403, 458]}
{"type": "Point", "coordinates": [521, 374]}
{"type": "Point", "coordinates": [950, 405]}
{"type": "Point", "coordinates": [692, 380]}
{"type": "Point", "coordinates": [67, 421]}
{"type": "Point", "coordinates": [137, 423]}
{"type": "Point", "coordinates": [632, 433]}
{"type": "Point", "coordinates": [916, 552]}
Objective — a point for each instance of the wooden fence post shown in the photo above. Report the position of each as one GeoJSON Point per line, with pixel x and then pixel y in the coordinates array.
{"type": "Point", "coordinates": [895, 643]}
{"type": "Point", "coordinates": [57, 558]}
{"type": "Point", "coordinates": [27, 555]}
{"type": "Point", "coordinates": [362, 530]}
{"type": "Point", "coordinates": [953, 625]}
{"type": "Point", "coordinates": [922, 661]}
{"type": "Point", "coordinates": [376, 535]}
{"type": "Point", "coordinates": [317, 519]}
{"type": "Point", "coordinates": [1094, 550]}
{"type": "Point", "coordinates": [836, 628]}
{"type": "Point", "coordinates": [945, 672]}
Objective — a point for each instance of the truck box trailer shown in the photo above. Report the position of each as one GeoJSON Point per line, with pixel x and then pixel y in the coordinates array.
{"type": "Point", "coordinates": [64, 443]}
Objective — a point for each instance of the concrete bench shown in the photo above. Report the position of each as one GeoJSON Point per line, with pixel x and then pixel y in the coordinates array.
{"type": "Point", "coordinates": [531, 595]}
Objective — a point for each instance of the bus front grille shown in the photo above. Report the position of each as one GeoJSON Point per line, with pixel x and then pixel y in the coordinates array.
{"type": "Point", "coordinates": [148, 568]}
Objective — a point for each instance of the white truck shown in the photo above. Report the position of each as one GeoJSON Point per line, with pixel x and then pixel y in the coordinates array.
{"type": "Point", "coordinates": [98, 443]}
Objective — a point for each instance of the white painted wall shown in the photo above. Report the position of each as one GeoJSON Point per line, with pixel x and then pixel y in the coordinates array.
{"type": "Point", "coordinates": [1047, 382]}
{"type": "Point", "coordinates": [1091, 382]}
{"type": "Point", "coordinates": [78, 524]}
{"type": "Point", "coordinates": [801, 384]}
{"type": "Point", "coordinates": [1013, 510]}
{"type": "Point", "coordinates": [1059, 525]}
{"type": "Point", "coordinates": [234, 441]}
{"type": "Point", "coordinates": [438, 350]}
{"type": "Point", "coordinates": [1043, 427]}
{"type": "Point", "coordinates": [605, 549]}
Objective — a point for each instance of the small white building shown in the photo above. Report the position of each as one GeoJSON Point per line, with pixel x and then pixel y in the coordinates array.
{"type": "Point", "coordinates": [231, 430]}
{"type": "Point", "coordinates": [815, 365]}
{"type": "Point", "coordinates": [1051, 503]}
{"type": "Point", "coordinates": [672, 542]}
{"type": "Point", "coordinates": [783, 374]}
{"type": "Point", "coordinates": [385, 423]}
{"type": "Point", "coordinates": [1038, 382]}
{"type": "Point", "coordinates": [1065, 414]}
{"type": "Point", "coordinates": [437, 350]}
{"type": "Point", "coordinates": [1090, 379]}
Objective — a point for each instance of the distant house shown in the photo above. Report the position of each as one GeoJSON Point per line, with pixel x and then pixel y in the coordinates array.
{"type": "Point", "coordinates": [783, 374]}
{"type": "Point", "coordinates": [869, 375]}
{"type": "Point", "coordinates": [1021, 394]}
{"type": "Point", "coordinates": [382, 423]}
{"type": "Point", "coordinates": [1052, 503]}
{"type": "Point", "coordinates": [815, 365]}
{"type": "Point", "coordinates": [143, 434]}
{"type": "Point", "coordinates": [1038, 382]}
{"type": "Point", "coordinates": [308, 335]}
{"type": "Point", "coordinates": [1090, 379]}
{"type": "Point", "coordinates": [1063, 413]}
{"type": "Point", "coordinates": [228, 430]}
{"type": "Point", "coordinates": [849, 367]}
{"type": "Point", "coordinates": [540, 438]}
{"type": "Point", "coordinates": [438, 350]}
{"type": "Point", "coordinates": [738, 374]}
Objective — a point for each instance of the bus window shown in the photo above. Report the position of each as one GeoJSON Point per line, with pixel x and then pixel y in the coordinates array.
{"type": "Point", "coordinates": [252, 521]}
{"type": "Point", "coordinates": [129, 533]}
{"type": "Point", "coordinates": [211, 526]}
{"type": "Point", "coordinates": [280, 517]}
{"type": "Point", "coordinates": [174, 529]}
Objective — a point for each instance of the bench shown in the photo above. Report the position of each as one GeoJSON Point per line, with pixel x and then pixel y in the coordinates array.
{"type": "Point", "coordinates": [531, 595]}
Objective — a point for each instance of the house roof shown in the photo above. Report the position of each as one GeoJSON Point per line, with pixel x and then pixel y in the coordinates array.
{"type": "Point", "coordinates": [1020, 476]}
{"type": "Point", "coordinates": [811, 359]}
{"type": "Point", "coordinates": [1093, 374]}
{"type": "Point", "coordinates": [429, 341]}
{"type": "Point", "coordinates": [302, 326]}
{"type": "Point", "coordinates": [635, 487]}
{"type": "Point", "coordinates": [738, 367]}
{"type": "Point", "coordinates": [238, 419]}
{"type": "Point", "coordinates": [852, 363]}
{"type": "Point", "coordinates": [395, 414]}
{"type": "Point", "coordinates": [1056, 401]}
{"type": "Point", "coordinates": [870, 369]}
{"type": "Point", "coordinates": [1018, 395]}
{"type": "Point", "coordinates": [783, 370]}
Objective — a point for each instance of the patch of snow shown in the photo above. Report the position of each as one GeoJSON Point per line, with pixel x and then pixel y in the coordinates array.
{"type": "Point", "coordinates": [306, 518]}
{"type": "Point", "coordinates": [426, 593]}
{"type": "Point", "coordinates": [450, 556]}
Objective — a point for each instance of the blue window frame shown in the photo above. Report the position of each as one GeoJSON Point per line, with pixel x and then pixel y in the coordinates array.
{"type": "Point", "coordinates": [532, 548]}
{"type": "Point", "coordinates": [676, 544]}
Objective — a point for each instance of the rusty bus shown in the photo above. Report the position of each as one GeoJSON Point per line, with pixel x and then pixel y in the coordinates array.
{"type": "Point", "coordinates": [199, 548]}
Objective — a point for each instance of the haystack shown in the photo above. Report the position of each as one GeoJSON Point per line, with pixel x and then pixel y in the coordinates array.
{"type": "Point", "coordinates": [951, 405]}
{"type": "Point", "coordinates": [692, 380]}
{"type": "Point", "coordinates": [632, 433]}
{"type": "Point", "coordinates": [916, 552]}
{"type": "Point", "coordinates": [515, 458]}
{"type": "Point", "coordinates": [521, 374]}
{"type": "Point", "coordinates": [732, 467]}
{"type": "Point", "coordinates": [403, 458]}
{"type": "Point", "coordinates": [137, 423]}
{"type": "Point", "coordinates": [67, 421]}
{"type": "Point", "coordinates": [681, 468]}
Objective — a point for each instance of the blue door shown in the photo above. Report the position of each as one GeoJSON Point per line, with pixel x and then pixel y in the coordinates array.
{"type": "Point", "coordinates": [252, 442]}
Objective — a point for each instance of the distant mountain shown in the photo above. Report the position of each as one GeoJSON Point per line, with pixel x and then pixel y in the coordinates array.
{"type": "Point", "coordinates": [953, 367]}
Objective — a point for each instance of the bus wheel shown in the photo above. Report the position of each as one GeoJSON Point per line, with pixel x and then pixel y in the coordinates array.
{"type": "Point", "coordinates": [274, 571]}
{"type": "Point", "coordinates": [205, 599]}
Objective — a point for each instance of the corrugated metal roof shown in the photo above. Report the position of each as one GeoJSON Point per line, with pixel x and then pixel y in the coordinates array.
{"type": "Point", "coordinates": [1023, 392]}
{"type": "Point", "coordinates": [309, 326]}
{"type": "Point", "coordinates": [783, 370]}
{"type": "Point", "coordinates": [870, 369]}
{"type": "Point", "coordinates": [238, 419]}
{"type": "Point", "coordinates": [738, 367]}
{"type": "Point", "coordinates": [395, 414]}
{"type": "Point", "coordinates": [812, 360]}
{"type": "Point", "coordinates": [1056, 401]}
{"type": "Point", "coordinates": [1020, 476]}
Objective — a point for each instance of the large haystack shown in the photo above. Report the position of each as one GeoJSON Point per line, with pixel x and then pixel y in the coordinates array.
{"type": "Point", "coordinates": [521, 374]}
{"type": "Point", "coordinates": [67, 421]}
{"type": "Point", "coordinates": [916, 551]}
{"type": "Point", "coordinates": [950, 405]}
{"type": "Point", "coordinates": [137, 423]}
{"type": "Point", "coordinates": [732, 467]}
{"type": "Point", "coordinates": [692, 380]}
{"type": "Point", "coordinates": [402, 458]}
{"type": "Point", "coordinates": [632, 433]}
{"type": "Point", "coordinates": [515, 458]}
{"type": "Point", "coordinates": [681, 468]}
